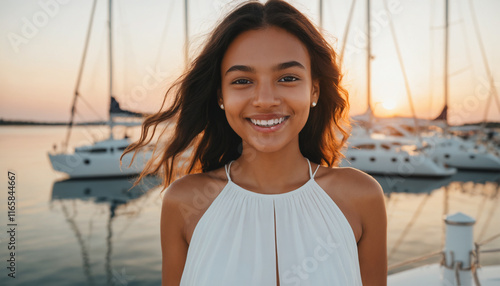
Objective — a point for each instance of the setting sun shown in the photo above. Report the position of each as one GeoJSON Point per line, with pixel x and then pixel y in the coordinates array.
{"type": "Point", "coordinates": [389, 105]}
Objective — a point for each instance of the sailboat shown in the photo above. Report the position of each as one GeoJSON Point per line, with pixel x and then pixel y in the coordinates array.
{"type": "Point", "coordinates": [460, 256]}
{"type": "Point", "coordinates": [101, 158]}
{"type": "Point", "coordinates": [452, 149]}
{"type": "Point", "coordinates": [379, 155]}
{"type": "Point", "coordinates": [444, 146]}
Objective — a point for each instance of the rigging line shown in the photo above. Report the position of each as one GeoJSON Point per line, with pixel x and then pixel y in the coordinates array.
{"type": "Point", "coordinates": [87, 266]}
{"type": "Point", "coordinates": [75, 208]}
{"type": "Point", "coordinates": [488, 240]}
{"type": "Point", "coordinates": [80, 73]}
{"type": "Point", "coordinates": [481, 207]}
{"type": "Point", "coordinates": [387, 200]}
{"type": "Point", "coordinates": [110, 49]}
{"type": "Point", "coordinates": [465, 38]}
{"type": "Point", "coordinates": [431, 60]}
{"type": "Point", "coordinates": [368, 68]}
{"type": "Point", "coordinates": [403, 70]}
{"type": "Point", "coordinates": [91, 228]}
{"type": "Point", "coordinates": [91, 108]}
{"type": "Point", "coordinates": [164, 33]}
{"type": "Point", "coordinates": [321, 14]}
{"type": "Point", "coordinates": [346, 33]}
{"type": "Point", "coordinates": [414, 260]}
{"type": "Point", "coordinates": [85, 126]}
{"type": "Point", "coordinates": [408, 226]}
{"type": "Point", "coordinates": [445, 72]}
{"type": "Point", "coordinates": [186, 34]}
{"type": "Point", "coordinates": [459, 71]}
{"type": "Point", "coordinates": [136, 216]}
{"type": "Point", "coordinates": [392, 210]}
{"type": "Point", "coordinates": [91, 225]}
{"type": "Point", "coordinates": [88, 128]}
{"type": "Point", "coordinates": [446, 197]}
{"type": "Point", "coordinates": [493, 90]}
{"type": "Point", "coordinates": [490, 216]}
{"type": "Point", "coordinates": [129, 54]}
{"type": "Point", "coordinates": [123, 28]}
{"type": "Point", "coordinates": [109, 249]}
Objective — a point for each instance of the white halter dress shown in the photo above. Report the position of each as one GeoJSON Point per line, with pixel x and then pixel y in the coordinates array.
{"type": "Point", "coordinates": [242, 234]}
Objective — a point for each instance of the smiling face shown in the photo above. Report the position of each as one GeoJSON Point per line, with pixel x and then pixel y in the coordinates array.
{"type": "Point", "coordinates": [267, 89]}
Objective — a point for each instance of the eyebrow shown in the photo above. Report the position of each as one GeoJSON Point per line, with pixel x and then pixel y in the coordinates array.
{"type": "Point", "coordinates": [287, 65]}
{"type": "Point", "coordinates": [240, 68]}
{"type": "Point", "coordinates": [278, 67]}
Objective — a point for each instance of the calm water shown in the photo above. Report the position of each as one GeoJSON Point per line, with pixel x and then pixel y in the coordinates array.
{"type": "Point", "coordinates": [93, 232]}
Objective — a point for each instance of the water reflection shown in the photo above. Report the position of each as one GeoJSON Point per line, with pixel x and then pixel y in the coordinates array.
{"type": "Point", "coordinates": [416, 207]}
{"type": "Point", "coordinates": [400, 184]}
{"type": "Point", "coordinates": [415, 210]}
{"type": "Point", "coordinates": [117, 195]}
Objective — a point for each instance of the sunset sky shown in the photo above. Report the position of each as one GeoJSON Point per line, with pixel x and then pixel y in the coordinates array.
{"type": "Point", "coordinates": [42, 43]}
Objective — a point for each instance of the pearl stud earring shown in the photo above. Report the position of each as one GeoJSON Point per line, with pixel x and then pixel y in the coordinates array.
{"type": "Point", "coordinates": [222, 106]}
{"type": "Point", "coordinates": [314, 104]}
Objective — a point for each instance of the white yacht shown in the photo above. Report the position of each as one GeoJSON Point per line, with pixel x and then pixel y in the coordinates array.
{"type": "Point", "coordinates": [382, 156]}
{"type": "Point", "coordinates": [451, 150]}
{"type": "Point", "coordinates": [102, 158]}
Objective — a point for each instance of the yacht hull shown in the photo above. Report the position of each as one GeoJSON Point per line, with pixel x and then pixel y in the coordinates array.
{"type": "Point", "coordinates": [101, 159]}
{"type": "Point", "coordinates": [394, 164]}
{"type": "Point", "coordinates": [463, 155]}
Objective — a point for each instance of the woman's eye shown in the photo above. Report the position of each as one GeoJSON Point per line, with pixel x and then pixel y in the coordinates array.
{"type": "Point", "coordinates": [241, 81]}
{"type": "Point", "coordinates": [288, 78]}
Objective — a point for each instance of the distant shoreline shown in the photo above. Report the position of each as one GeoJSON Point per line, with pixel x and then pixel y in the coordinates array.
{"type": "Point", "coordinates": [39, 123]}
{"type": "Point", "coordinates": [99, 123]}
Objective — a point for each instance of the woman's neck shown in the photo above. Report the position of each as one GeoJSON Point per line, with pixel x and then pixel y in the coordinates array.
{"type": "Point", "coordinates": [270, 172]}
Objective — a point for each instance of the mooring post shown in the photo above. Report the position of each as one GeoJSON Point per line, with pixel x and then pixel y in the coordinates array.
{"type": "Point", "coordinates": [458, 250]}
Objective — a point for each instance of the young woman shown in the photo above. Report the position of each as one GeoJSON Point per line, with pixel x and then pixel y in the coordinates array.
{"type": "Point", "coordinates": [263, 203]}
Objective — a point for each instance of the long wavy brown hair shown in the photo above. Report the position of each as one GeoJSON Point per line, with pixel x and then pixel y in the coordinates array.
{"type": "Point", "coordinates": [202, 125]}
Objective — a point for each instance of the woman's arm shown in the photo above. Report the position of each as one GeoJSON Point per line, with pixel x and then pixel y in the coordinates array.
{"type": "Point", "coordinates": [372, 246]}
{"type": "Point", "coordinates": [173, 243]}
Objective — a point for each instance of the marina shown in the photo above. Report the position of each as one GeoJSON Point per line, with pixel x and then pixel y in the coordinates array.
{"type": "Point", "coordinates": [95, 232]}
{"type": "Point", "coordinates": [425, 116]}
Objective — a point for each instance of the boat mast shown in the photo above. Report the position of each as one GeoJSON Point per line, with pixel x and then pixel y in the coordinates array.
{"type": "Point", "coordinates": [368, 65]}
{"type": "Point", "coordinates": [321, 14]}
{"type": "Point", "coordinates": [446, 37]}
{"type": "Point", "coordinates": [346, 33]}
{"type": "Point", "coordinates": [79, 79]}
{"type": "Point", "coordinates": [493, 89]}
{"type": "Point", "coordinates": [110, 47]}
{"type": "Point", "coordinates": [186, 34]}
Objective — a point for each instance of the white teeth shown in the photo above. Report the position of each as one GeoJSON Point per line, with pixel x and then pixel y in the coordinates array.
{"type": "Point", "coordinates": [267, 123]}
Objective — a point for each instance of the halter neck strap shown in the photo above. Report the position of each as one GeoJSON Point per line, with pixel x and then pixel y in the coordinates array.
{"type": "Point", "coordinates": [227, 167]}
{"type": "Point", "coordinates": [311, 174]}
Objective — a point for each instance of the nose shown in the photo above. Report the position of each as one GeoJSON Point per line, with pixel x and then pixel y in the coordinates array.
{"type": "Point", "coordinates": [266, 95]}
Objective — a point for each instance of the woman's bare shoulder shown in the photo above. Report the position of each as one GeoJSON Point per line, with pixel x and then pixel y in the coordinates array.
{"type": "Point", "coordinates": [180, 208]}
{"type": "Point", "coordinates": [355, 183]}
{"type": "Point", "coordinates": [356, 193]}
{"type": "Point", "coordinates": [185, 188]}
{"type": "Point", "coordinates": [186, 199]}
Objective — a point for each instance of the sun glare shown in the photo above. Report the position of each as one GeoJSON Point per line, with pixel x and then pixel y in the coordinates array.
{"type": "Point", "coordinates": [389, 105]}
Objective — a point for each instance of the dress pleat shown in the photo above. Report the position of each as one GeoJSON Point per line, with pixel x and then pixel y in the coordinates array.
{"type": "Point", "coordinates": [234, 241]}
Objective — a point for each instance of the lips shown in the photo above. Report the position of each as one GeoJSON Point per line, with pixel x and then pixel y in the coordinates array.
{"type": "Point", "coordinates": [268, 123]}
